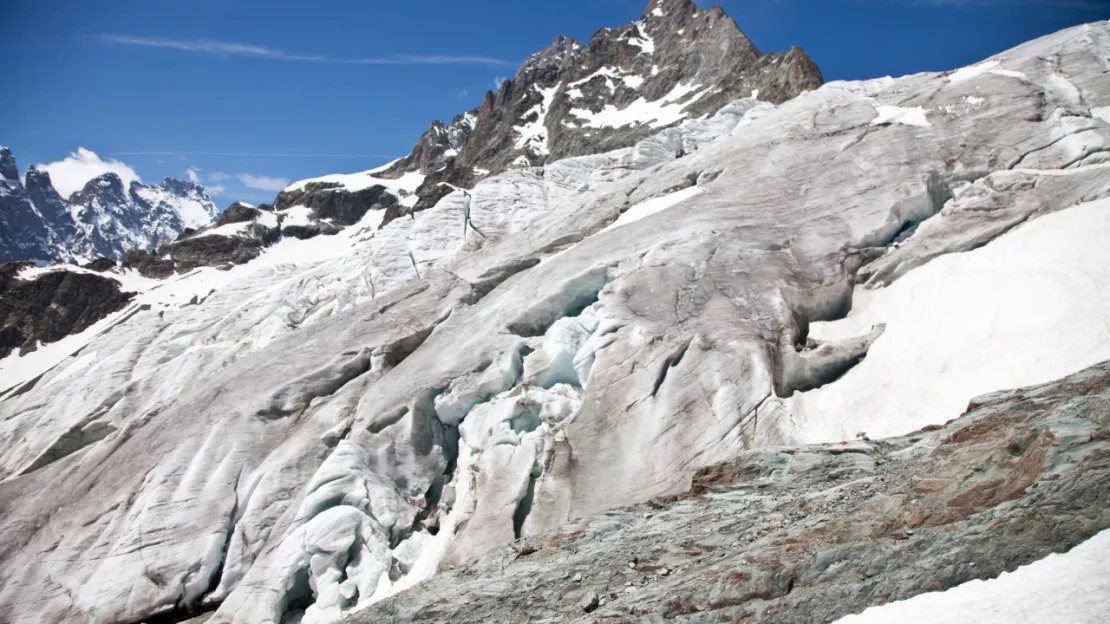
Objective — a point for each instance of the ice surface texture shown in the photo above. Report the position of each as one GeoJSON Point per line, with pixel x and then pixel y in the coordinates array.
{"type": "Point", "coordinates": [285, 439]}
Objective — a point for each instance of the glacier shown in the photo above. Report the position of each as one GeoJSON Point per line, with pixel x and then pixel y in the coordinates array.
{"type": "Point", "coordinates": [310, 432]}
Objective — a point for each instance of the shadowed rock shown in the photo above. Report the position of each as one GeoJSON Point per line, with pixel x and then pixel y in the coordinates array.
{"type": "Point", "coordinates": [51, 306]}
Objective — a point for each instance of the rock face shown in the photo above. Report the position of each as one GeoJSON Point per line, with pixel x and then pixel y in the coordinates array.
{"type": "Point", "coordinates": [238, 213]}
{"type": "Point", "coordinates": [205, 249]}
{"type": "Point", "coordinates": [51, 306]}
{"type": "Point", "coordinates": [24, 233]}
{"type": "Point", "coordinates": [812, 534]}
{"type": "Point", "coordinates": [676, 62]}
{"type": "Point", "coordinates": [103, 220]}
{"type": "Point", "coordinates": [332, 202]}
{"type": "Point", "coordinates": [439, 144]}
{"type": "Point", "coordinates": [298, 437]}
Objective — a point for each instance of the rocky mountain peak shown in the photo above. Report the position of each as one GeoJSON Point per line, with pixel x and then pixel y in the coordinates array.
{"type": "Point", "coordinates": [544, 67]}
{"type": "Point", "coordinates": [180, 187]}
{"type": "Point", "coordinates": [107, 186]}
{"type": "Point", "coordinates": [676, 62]}
{"type": "Point", "coordinates": [8, 170]}
{"type": "Point", "coordinates": [103, 219]}
{"type": "Point", "coordinates": [53, 208]}
{"type": "Point", "coordinates": [670, 8]}
{"type": "Point", "coordinates": [439, 144]}
{"type": "Point", "coordinates": [37, 177]}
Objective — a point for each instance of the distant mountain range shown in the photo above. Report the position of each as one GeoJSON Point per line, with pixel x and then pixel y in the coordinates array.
{"type": "Point", "coordinates": [105, 219]}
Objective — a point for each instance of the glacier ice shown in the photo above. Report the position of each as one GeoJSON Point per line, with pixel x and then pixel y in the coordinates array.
{"type": "Point", "coordinates": [322, 427]}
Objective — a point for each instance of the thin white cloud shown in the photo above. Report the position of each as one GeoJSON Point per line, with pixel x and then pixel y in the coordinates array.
{"type": "Point", "coordinates": [249, 50]}
{"type": "Point", "coordinates": [194, 177]}
{"type": "Point", "coordinates": [184, 155]}
{"type": "Point", "coordinates": [498, 81]}
{"type": "Point", "coordinates": [215, 190]}
{"type": "Point", "coordinates": [262, 183]}
{"type": "Point", "coordinates": [72, 173]}
{"type": "Point", "coordinates": [218, 176]}
{"type": "Point", "coordinates": [207, 46]}
{"type": "Point", "coordinates": [463, 93]}
{"type": "Point", "coordinates": [413, 59]}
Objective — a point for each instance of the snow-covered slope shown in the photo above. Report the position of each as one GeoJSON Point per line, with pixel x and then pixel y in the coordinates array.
{"type": "Point", "coordinates": [1069, 588]}
{"type": "Point", "coordinates": [303, 434]}
{"type": "Point", "coordinates": [105, 219]}
{"type": "Point", "coordinates": [1031, 306]}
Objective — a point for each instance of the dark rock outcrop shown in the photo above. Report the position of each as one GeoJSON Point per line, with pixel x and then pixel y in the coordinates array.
{"type": "Point", "coordinates": [197, 251]}
{"type": "Point", "coordinates": [51, 306]}
{"type": "Point", "coordinates": [439, 145]}
{"type": "Point", "coordinates": [219, 250]}
{"type": "Point", "coordinates": [311, 230]}
{"type": "Point", "coordinates": [334, 203]}
{"type": "Point", "coordinates": [238, 213]}
{"type": "Point", "coordinates": [815, 533]}
{"type": "Point", "coordinates": [100, 265]}
{"type": "Point", "coordinates": [429, 195]}
{"type": "Point", "coordinates": [148, 264]}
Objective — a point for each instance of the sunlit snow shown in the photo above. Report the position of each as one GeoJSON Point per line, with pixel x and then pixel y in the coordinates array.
{"type": "Point", "coordinates": [1068, 588]}
{"type": "Point", "coordinates": [644, 41]}
{"type": "Point", "coordinates": [898, 115]}
{"type": "Point", "coordinates": [974, 71]}
{"type": "Point", "coordinates": [652, 206]}
{"type": "Point", "coordinates": [533, 134]}
{"type": "Point", "coordinates": [354, 182]}
{"type": "Point", "coordinates": [660, 113]}
{"type": "Point", "coordinates": [968, 324]}
{"type": "Point", "coordinates": [194, 214]}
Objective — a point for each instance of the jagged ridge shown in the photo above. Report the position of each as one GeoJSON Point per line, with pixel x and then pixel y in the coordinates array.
{"type": "Point", "coordinates": [102, 220]}
{"type": "Point", "coordinates": [678, 57]}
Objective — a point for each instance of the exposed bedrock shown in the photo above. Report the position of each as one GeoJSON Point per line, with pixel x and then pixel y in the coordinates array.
{"type": "Point", "coordinates": [812, 534]}
{"type": "Point", "coordinates": [332, 202]}
{"type": "Point", "coordinates": [52, 305]}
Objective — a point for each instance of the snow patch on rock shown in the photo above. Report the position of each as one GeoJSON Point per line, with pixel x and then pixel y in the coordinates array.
{"type": "Point", "coordinates": [533, 134]}
{"type": "Point", "coordinates": [657, 114]}
{"type": "Point", "coordinates": [354, 182]}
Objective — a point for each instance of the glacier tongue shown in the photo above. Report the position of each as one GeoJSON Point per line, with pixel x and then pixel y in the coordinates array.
{"type": "Point", "coordinates": [320, 428]}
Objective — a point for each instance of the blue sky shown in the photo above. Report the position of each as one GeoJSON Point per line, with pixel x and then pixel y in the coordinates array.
{"type": "Point", "coordinates": [249, 94]}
